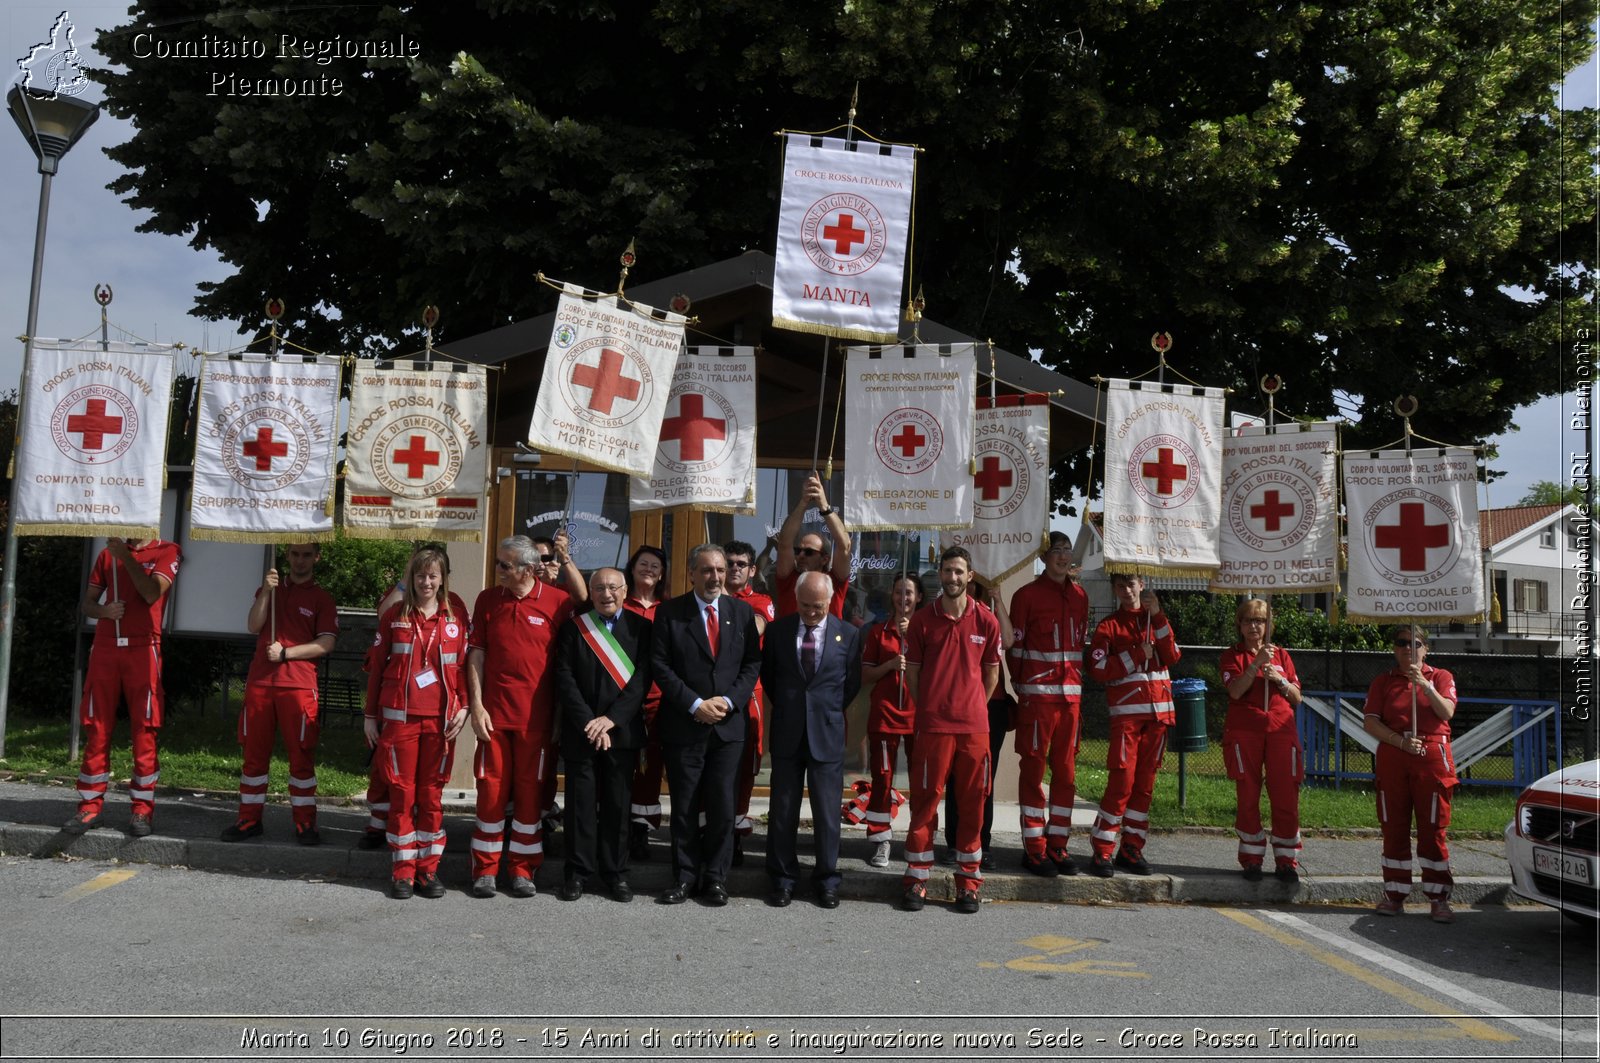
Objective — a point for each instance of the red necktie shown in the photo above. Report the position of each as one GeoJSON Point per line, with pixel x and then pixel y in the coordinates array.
{"type": "Point", "coordinates": [711, 627]}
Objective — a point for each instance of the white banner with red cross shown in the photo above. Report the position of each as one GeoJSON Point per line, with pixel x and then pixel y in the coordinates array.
{"type": "Point", "coordinates": [1011, 489]}
{"type": "Point", "coordinates": [1280, 518]}
{"type": "Point", "coordinates": [843, 233]}
{"type": "Point", "coordinates": [417, 452]}
{"type": "Point", "coordinates": [607, 374]}
{"type": "Point", "coordinates": [264, 449]}
{"type": "Point", "coordinates": [1163, 479]}
{"type": "Point", "coordinates": [909, 428]}
{"type": "Point", "coordinates": [706, 456]}
{"type": "Point", "coordinates": [1413, 535]}
{"type": "Point", "coordinates": [93, 447]}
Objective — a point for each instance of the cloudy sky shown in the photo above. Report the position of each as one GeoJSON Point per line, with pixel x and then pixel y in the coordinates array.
{"type": "Point", "coordinates": [92, 239]}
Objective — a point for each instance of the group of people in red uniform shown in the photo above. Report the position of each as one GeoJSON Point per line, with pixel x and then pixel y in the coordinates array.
{"type": "Point", "coordinates": [435, 668]}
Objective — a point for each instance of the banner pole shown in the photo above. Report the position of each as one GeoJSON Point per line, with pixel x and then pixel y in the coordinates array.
{"type": "Point", "coordinates": [822, 396]}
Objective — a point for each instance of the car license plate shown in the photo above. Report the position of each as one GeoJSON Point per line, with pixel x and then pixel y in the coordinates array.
{"type": "Point", "coordinates": [1569, 866]}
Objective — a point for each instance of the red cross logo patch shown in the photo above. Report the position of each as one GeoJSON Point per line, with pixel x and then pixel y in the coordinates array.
{"type": "Point", "coordinates": [844, 234]}
{"type": "Point", "coordinates": [1001, 484]}
{"type": "Point", "coordinates": [266, 447]}
{"type": "Point", "coordinates": [417, 456]}
{"type": "Point", "coordinates": [605, 381]}
{"type": "Point", "coordinates": [909, 440]}
{"type": "Point", "coordinates": [1412, 536]}
{"type": "Point", "coordinates": [1164, 471]}
{"type": "Point", "coordinates": [701, 430]}
{"type": "Point", "coordinates": [94, 425]}
{"type": "Point", "coordinates": [1273, 510]}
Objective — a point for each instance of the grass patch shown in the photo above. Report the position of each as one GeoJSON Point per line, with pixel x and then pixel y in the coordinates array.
{"type": "Point", "coordinates": [198, 752]}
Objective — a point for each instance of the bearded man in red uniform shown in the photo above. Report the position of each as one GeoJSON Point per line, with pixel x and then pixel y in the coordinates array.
{"type": "Point", "coordinates": [133, 578]}
{"type": "Point", "coordinates": [511, 691]}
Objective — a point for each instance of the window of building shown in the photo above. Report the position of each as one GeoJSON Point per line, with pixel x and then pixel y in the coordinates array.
{"type": "Point", "coordinates": [593, 504]}
{"type": "Point", "coordinates": [1530, 595]}
{"type": "Point", "coordinates": [1547, 537]}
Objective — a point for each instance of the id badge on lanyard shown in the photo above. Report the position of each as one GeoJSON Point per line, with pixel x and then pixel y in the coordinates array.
{"type": "Point", "coordinates": [427, 676]}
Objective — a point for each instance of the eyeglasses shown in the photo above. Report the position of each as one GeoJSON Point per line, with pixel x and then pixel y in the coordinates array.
{"type": "Point", "coordinates": [547, 559]}
{"type": "Point", "coordinates": [741, 564]}
{"type": "Point", "coordinates": [1415, 644]}
{"type": "Point", "coordinates": [807, 551]}
{"type": "Point", "coordinates": [504, 566]}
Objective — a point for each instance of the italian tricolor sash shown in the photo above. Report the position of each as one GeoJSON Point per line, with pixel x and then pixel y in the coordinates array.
{"type": "Point", "coordinates": [606, 647]}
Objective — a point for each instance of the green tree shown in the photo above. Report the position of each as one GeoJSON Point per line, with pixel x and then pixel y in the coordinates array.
{"type": "Point", "coordinates": [1365, 197]}
{"type": "Point", "coordinates": [1550, 493]}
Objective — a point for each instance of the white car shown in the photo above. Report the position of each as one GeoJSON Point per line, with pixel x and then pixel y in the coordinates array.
{"type": "Point", "coordinates": [1553, 843]}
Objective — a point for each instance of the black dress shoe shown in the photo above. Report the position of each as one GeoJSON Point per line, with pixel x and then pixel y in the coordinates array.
{"type": "Point", "coordinates": [621, 892]}
{"type": "Point", "coordinates": [779, 897]}
{"type": "Point", "coordinates": [238, 832]}
{"type": "Point", "coordinates": [987, 860]}
{"type": "Point", "coordinates": [715, 895]}
{"type": "Point", "coordinates": [572, 889]}
{"type": "Point", "coordinates": [676, 895]}
{"type": "Point", "coordinates": [827, 899]}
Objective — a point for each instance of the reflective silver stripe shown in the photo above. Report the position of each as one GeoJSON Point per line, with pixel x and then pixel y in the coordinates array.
{"type": "Point", "coordinates": [1433, 809]}
{"type": "Point", "coordinates": [303, 784]}
{"type": "Point", "coordinates": [254, 780]}
{"type": "Point", "coordinates": [400, 647]}
{"type": "Point", "coordinates": [1138, 817]}
{"type": "Point", "coordinates": [1061, 689]}
{"type": "Point", "coordinates": [399, 855]}
{"type": "Point", "coordinates": [878, 817]}
{"type": "Point", "coordinates": [102, 777]}
{"type": "Point", "coordinates": [916, 872]}
{"type": "Point", "coordinates": [1140, 677]}
{"type": "Point", "coordinates": [519, 827]}
{"type": "Point", "coordinates": [1107, 818]}
{"type": "Point", "coordinates": [1033, 832]}
{"type": "Point", "coordinates": [1275, 840]}
{"type": "Point", "coordinates": [375, 823]}
{"type": "Point", "coordinates": [436, 849]}
{"type": "Point", "coordinates": [483, 846]}
{"type": "Point", "coordinates": [378, 806]}
{"type": "Point", "coordinates": [488, 827]}
{"type": "Point", "coordinates": [1433, 865]}
{"type": "Point", "coordinates": [252, 799]}
{"type": "Point", "coordinates": [1398, 865]}
{"type": "Point", "coordinates": [397, 715]}
{"type": "Point", "coordinates": [91, 706]}
{"type": "Point", "coordinates": [1383, 808]}
{"type": "Point", "coordinates": [1140, 708]}
{"type": "Point", "coordinates": [448, 658]}
{"type": "Point", "coordinates": [1253, 850]}
{"type": "Point", "coordinates": [301, 802]}
{"type": "Point", "coordinates": [1258, 836]}
{"type": "Point", "coordinates": [1103, 835]}
{"type": "Point", "coordinates": [1058, 830]}
{"type": "Point", "coordinates": [1162, 632]}
{"type": "Point", "coordinates": [920, 858]}
{"type": "Point", "coordinates": [146, 780]}
{"type": "Point", "coordinates": [1036, 813]}
{"type": "Point", "coordinates": [1137, 832]}
{"type": "Point", "coordinates": [1238, 757]}
{"type": "Point", "coordinates": [645, 810]}
{"type": "Point", "coordinates": [1047, 655]}
{"type": "Point", "coordinates": [90, 795]}
{"type": "Point", "coordinates": [1127, 664]}
{"type": "Point", "coordinates": [525, 849]}
{"type": "Point", "coordinates": [969, 858]}
{"type": "Point", "coordinates": [303, 722]}
{"type": "Point", "coordinates": [402, 839]}
{"type": "Point", "coordinates": [141, 795]}
{"type": "Point", "coordinates": [743, 823]}
{"type": "Point", "coordinates": [1435, 887]}
{"type": "Point", "coordinates": [1061, 810]}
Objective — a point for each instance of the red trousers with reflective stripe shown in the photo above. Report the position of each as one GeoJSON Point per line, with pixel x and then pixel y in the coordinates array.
{"type": "Point", "coordinates": [1277, 757]}
{"type": "Point", "coordinates": [415, 760]}
{"type": "Point", "coordinates": [120, 673]}
{"type": "Point", "coordinates": [882, 746]}
{"type": "Point", "coordinates": [1132, 760]}
{"type": "Point", "coordinates": [645, 800]}
{"type": "Point", "coordinates": [377, 796]}
{"type": "Point", "coordinates": [1412, 786]}
{"type": "Point", "coordinates": [267, 712]}
{"type": "Point", "coordinates": [1047, 735]}
{"type": "Point", "coordinates": [964, 759]}
{"type": "Point", "coordinates": [510, 768]}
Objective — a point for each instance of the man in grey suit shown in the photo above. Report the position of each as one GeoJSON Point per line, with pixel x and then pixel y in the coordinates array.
{"type": "Point", "coordinates": [706, 655]}
{"type": "Point", "coordinates": [810, 670]}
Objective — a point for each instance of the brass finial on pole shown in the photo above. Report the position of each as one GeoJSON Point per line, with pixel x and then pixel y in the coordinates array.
{"type": "Point", "coordinates": [1271, 384]}
{"type": "Point", "coordinates": [430, 318]}
{"type": "Point", "coordinates": [274, 310]}
{"type": "Point", "coordinates": [627, 258]}
{"type": "Point", "coordinates": [102, 295]}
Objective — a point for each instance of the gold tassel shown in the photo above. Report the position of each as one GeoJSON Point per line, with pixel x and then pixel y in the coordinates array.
{"type": "Point", "coordinates": [1496, 614]}
{"type": "Point", "coordinates": [827, 471]}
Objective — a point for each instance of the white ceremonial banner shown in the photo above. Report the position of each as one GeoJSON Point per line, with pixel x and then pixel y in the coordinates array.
{"type": "Point", "coordinates": [417, 452]}
{"type": "Point", "coordinates": [1413, 531]}
{"type": "Point", "coordinates": [1011, 500]}
{"type": "Point", "coordinates": [1163, 480]}
{"type": "Point", "coordinates": [843, 230]}
{"type": "Point", "coordinates": [93, 450]}
{"type": "Point", "coordinates": [607, 373]}
{"type": "Point", "coordinates": [264, 449]}
{"type": "Point", "coordinates": [909, 429]}
{"type": "Point", "coordinates": [706, 455]}
{"type": "Point", "coordinates": [1280, 518]}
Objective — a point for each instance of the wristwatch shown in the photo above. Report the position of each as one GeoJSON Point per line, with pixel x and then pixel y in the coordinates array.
{"type": "Point", "coordinates": [826, 512]}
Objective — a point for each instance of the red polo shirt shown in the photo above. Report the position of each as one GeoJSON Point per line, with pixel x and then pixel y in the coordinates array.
{"type": "Point", "coordinates": [757, 601]}
{"type": "Point", "coordinates": [517, 636]}
{"type": "Point", "coordinates": [891, 712]}
{"type": "Point", "coordinates": [786, 602]}
{"type": "Point", "coordinates": [301, 613]}
{"type": "Point", "coordinates": [952, 652]}
{"type": "Point", "coordinates": [141, 620]}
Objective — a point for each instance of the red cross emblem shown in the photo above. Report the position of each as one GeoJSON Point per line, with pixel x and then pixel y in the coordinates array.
{"type": "Point", "coordinates": [264, 449]}
{"type": "Point", "coordinates": [1165, 471]}
{"type": "Point", "coordinates": [94, 424]}
{"type": "Point", "coordinates": [1412, 536]}
{"type": "Point", "coordinates": [992, 477]}
{"type": "Point", "coordinates": [909, 440]}
{"type": "Point", "coordinates": [1271, 512]}
{"type": "Point", "coordinates": [844, 234]}
{"type": "Point", "coordinates": [692, 428]}
{"type": "Point", "coordinates": [416, 457]}
{"type": "Point", "coordinates": [606, 383]}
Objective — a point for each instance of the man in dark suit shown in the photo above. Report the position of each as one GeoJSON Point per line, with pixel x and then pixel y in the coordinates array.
{"type": "Point", "coordinates": [706, 656]}
{"type": "Point", "coordinates": [602, 673]}
{"type": "Point", "coordinates": [811, 669]}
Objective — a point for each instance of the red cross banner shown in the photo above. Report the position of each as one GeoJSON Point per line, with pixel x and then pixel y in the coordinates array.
{"type": "Point", "coordinates": [93, 444]}
{"type": "Point", "coordinates": [264, 449]}
{"type": "Point", "coordinates": [706, 454]}
{"type": "Point", "coordinates": [417, 452]}
{"type": "Point", "coordinates": [843, 230]}
{"type": "Point", "coordinates": [1413, 535]}
{"type": "Point", "coordinates": [1280, 527]}
{"type": "Point", "coordinates": [908, 425]}
{"type": "Point", "coordinates": [607, 374]}
{"type": "Point", "coordinates": [1011, 489]}
{"type": "Point", "coordinates": [1163, 479]}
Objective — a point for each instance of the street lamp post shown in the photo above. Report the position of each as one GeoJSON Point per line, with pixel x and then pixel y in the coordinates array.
{"type": "Point", "coordinates": [52, 124]}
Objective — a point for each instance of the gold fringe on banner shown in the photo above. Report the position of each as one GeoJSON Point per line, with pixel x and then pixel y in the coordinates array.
{"type": "Point", "coordinates": [835, 332]}
{"type": "Point", "coordinates": [413, 532]}
{"type": "Point", "coordinates": [260, 537]}
{"type": "Point", "coordinates": [1393, 620]}
{"type": "Point", "coordinates": [89, 531]}
{"type": "Point", "coordinates": [1122, 568]}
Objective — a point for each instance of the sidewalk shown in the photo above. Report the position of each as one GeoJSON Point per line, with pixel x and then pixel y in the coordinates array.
{"type": "Point", "coordinates": [1196, 865]}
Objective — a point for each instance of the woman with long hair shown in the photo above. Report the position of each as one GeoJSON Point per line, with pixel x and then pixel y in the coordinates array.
{"type": "Point", "coordinates": [646, 576]}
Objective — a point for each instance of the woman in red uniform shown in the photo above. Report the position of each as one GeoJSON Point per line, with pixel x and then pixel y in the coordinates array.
{"type": "Point", "coordinates": [892, 712]}
{"type": "Point", "coordinates": [1260, 739]}
{"type": "Point", "coordinates": [418, 682]}
{"type": "Point", "coordinates": [1408, 711]}
{"type": "Point", "coordinates": [646, 576]}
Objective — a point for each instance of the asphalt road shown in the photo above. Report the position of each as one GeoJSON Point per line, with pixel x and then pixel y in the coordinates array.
{"type": "Point", "coordinates": [116, 961]}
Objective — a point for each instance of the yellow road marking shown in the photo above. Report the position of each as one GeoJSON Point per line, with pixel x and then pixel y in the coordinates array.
{"type": "Point", "coordinates": [96, 884]}
{"type": "Point", "coordinates": [1473, 1028]}
{"type": "Point", "coordinates": [1051, 946]}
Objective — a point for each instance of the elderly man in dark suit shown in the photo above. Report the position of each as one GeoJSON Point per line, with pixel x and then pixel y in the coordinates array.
{"type": "Point", "coordinates": [602, 673]}
{"type": "Point", "coordinates": [811, 669]}
{"type": "Point", "coordinates": [706, 654]}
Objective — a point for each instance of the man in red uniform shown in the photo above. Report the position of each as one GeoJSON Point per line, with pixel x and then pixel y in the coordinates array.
{"type": "Point", "coordinates": [809, 552]}
{"type": "Point", "coordinates": [952, 668]}
{"type": "Point", "coordinates": [510, 685]}
{"type": "Point", "coordinates": [741, 567]}
{"type": "Point", "coordinates": [125, 664]}
{"type": "Point", "coordinates": [893, 709]}
{"type": "Point", "coordinates": [1130, 653]}
{"type": "Point", "coordinates": [294, 624]}
{"type": "Point", "coordinates": [1050, 621]}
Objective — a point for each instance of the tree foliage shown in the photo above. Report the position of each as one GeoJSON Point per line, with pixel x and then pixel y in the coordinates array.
{"type": "Point", "coordinates": [1365, 197]}
{"type": "Point", "coordinates": [1202, 619]}
{"type": "Point", "coordinates": [1550, 493]}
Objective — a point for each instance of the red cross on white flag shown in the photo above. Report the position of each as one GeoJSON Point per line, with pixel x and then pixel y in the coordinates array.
{"type": "Point", "coordinates": [1279, 530]}
{"type": "Point", "coordinates": [706, 455]}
